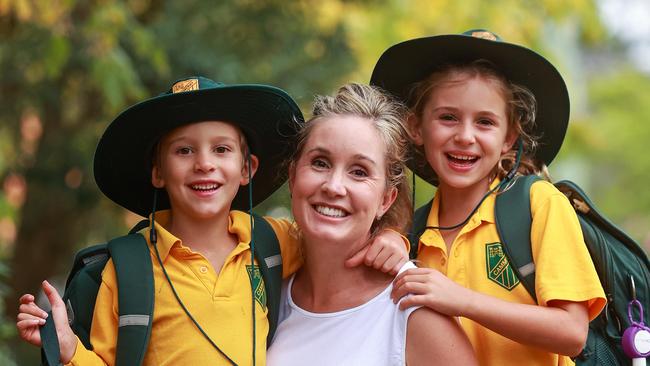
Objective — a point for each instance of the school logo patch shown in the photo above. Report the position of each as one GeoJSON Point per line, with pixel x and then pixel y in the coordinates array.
{"type": "Point", "coordinates": [255, 275]}
{"type": "Point", "coordinates": [498, 267]}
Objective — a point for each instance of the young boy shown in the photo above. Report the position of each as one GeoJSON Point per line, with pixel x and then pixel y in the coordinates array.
{"type": "Point", "coordinates": [184, 156]}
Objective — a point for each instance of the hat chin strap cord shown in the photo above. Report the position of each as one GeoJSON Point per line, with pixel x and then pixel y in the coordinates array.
{"type": "Point", "coordinates": [153, 238]}
{"type": "Point", "coordinates": [503, 185]}
{"type": "Point", "coordinates": [252, 246]}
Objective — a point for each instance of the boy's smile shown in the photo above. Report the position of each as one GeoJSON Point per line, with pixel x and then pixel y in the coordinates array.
{"type": "Point", "coordinates": [201, 166]}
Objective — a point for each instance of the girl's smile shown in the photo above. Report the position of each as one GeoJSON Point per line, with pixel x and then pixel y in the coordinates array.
{"type": "Point", "coordinates": [464, 130]}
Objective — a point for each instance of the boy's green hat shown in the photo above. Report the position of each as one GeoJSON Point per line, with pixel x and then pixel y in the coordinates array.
{"type": "Point", "coordinates": [406, 63]}
{"type": "Point", "coordinates": [123, 160]}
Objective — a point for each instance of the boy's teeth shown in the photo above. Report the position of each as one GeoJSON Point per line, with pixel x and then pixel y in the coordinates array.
{"type": "Point", "coordinates": [329, 211]}
{"type": "Point", "coordinates": [205, 187]}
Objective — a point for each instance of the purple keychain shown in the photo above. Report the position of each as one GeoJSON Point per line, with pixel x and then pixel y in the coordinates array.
{"type": "Point", "coordinates": [636, 338]}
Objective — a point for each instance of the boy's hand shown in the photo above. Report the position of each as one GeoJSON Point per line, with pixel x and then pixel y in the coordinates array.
{"type": "Point", "coordinates": [387, 252]}
{"type": "Point", "coordinates": [31, 318]}
{"type": "Point", "coordinates": [429, 287]}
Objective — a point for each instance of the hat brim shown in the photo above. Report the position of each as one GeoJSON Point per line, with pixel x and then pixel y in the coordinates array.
{"type": "Point", "coordinates": [406, 63]}
{"type": "Point", "coordinates": [267, 116]}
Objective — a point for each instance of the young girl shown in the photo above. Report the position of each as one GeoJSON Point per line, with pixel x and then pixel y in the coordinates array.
{"type": "Point", "coordinates": [477, 104]}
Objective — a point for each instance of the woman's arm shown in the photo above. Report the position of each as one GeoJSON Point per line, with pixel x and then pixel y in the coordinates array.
{"type": "Point", "coordinates": [433, 338]}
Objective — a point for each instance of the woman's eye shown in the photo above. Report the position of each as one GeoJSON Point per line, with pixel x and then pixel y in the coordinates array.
{"type": "Point", "coordinates": [359, 173]}
{"type": "Point", "coordinates": [485, 122]}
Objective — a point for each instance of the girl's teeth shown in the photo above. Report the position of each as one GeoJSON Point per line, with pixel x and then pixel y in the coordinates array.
{"type": "Point", "coordinates": [329, 211]}
{"type": "Point", "coordinates": [462, 157]}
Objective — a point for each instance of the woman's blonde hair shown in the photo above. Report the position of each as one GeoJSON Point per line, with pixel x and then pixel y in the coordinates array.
{"type": "Point", "coordinates": [388, 118]}
{"type": "Point", "coordinates": [521, 110]}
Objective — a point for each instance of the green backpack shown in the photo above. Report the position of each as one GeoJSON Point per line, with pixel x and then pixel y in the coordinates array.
{"type": "Point", "coordinates": [132, 261]}
{"type": "Point", "coordinates": [622, 265]}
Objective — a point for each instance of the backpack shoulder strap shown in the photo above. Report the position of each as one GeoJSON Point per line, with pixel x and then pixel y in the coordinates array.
{"type": "Point", "coordinates": [513, 219]}
{"type": "Point", "coordinates": [134, 273]}
{"type": "Point", "coordinates": [267, 253]}
{"type": "Point", "coordinates": [419, 225]}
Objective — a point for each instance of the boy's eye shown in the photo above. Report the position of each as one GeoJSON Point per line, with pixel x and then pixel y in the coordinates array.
{"type": "Point", "coordinates": [184, 150]}
{"type": "Point", "coordinates": [221, 149]}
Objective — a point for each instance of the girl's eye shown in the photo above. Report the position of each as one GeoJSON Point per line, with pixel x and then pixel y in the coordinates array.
{"type": "Point", "coordinates": [447, 117]}
{"type": "Point", "coordinates": [319, 163]}
{"type": "Point", "coordinates": [485, 122]}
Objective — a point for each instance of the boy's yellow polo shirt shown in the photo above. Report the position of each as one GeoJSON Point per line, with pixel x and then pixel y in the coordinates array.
{"type": "Point", "coordinates": [220, 303]}
{"type": "Point", "coordinates": [564, 270]}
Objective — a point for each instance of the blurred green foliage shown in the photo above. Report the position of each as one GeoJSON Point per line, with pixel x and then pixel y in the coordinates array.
{"type": "Point", "coordinates": [69, 67]}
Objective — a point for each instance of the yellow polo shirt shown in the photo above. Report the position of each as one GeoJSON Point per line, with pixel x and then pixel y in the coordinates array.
{"type": "Point", "coordinates": [564, 270]}
{"type": "Point", "coordinates": [220, 303]}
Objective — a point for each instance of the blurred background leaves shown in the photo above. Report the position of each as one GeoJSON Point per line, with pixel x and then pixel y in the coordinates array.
{"type": "Point", "coordinates": [68, 67]}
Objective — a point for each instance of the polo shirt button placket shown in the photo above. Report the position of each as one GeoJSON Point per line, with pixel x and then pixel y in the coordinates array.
{"type": "Point", "coordinates": [203, 269]}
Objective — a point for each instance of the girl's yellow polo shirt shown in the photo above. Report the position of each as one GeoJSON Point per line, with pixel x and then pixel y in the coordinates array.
{"type": "Point", "coordinates": [564, 270]}
{"type": "Point", "coordinates": [220, 303]}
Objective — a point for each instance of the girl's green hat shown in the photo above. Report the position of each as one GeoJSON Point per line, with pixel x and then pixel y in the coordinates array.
{"type": "Point", "coordinates": [406, 63]}
{"type": "Point", "coordinates": [267, 116]}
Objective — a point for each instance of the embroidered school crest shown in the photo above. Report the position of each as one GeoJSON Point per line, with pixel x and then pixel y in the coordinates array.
{"type": "Point", "coordinates": [258, 284]}
{"type": "Point", "coordinates": [498, 267]}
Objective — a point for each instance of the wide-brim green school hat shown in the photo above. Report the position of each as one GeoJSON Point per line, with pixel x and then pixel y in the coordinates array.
{"type": "Point", "coordinates": [268, 117]}
{"type": "Point", "coordinates": [406, 63]}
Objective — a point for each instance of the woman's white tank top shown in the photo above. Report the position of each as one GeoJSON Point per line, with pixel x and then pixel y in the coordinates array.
{"type": "Point", "coordinates": [373, 333]}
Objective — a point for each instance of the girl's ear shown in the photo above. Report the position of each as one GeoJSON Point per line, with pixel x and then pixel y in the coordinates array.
{"type": "Point", "coordinates": [510, 141]}
{"type": "Point", "coordinates": [156, 178]}
{"type": "Point", "coordinates": [254, 164]}
{"type": "Point", "coordinates": [413, 126]}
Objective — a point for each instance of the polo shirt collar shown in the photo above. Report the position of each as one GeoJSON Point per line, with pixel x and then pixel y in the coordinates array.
{"type": "Point", "coordinates": [485, 212]}
{"type": "Point", "coordinates": [166, 240]}
{"type": "Point", "coordinates": [238, 224]}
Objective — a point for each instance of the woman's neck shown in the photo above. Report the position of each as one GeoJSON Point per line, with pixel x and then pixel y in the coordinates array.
{"type": "Point", "coordinates": [325, 284]}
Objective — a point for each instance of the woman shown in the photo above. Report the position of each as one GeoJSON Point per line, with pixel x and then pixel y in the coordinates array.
{"type": "Point", "coordinates": [347, 181]}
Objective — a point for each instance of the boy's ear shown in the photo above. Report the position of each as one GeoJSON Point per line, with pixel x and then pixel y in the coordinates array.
{"type": "Point", "coordinates": [156, 179]}
{"type": "Point", "coordinates": [413, 127]}
{"type": "Point", "coordinates": [254, 164]}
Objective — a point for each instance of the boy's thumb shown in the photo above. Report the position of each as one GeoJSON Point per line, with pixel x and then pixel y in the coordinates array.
{"type": "Point", "coordinates": [58, 307]}
{"type": "Point", "coordinates": [357, 258]}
